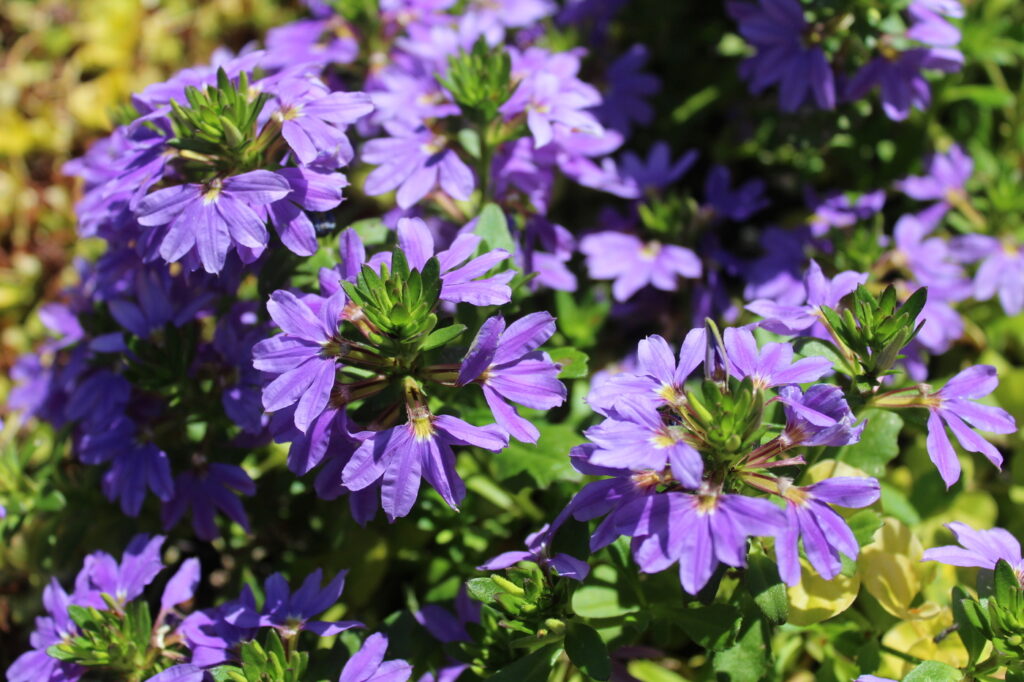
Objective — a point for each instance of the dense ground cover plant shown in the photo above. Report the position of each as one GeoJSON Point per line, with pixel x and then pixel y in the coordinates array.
{"type": "Point", "coordinates": [621, 375]}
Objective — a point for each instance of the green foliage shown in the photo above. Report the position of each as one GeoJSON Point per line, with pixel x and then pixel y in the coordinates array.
{"type": "Point", "coordinates": [879, 443]}
{"type": "Point", "coordinates": [479, 80]}
{"type": "Point", "coordinates": [268, 662]}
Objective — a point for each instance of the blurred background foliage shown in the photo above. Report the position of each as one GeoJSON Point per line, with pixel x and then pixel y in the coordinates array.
{"type": "Point", "coordinates": [65, 65]}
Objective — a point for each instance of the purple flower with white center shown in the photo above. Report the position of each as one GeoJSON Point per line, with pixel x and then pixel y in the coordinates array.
{"type": "Point", "coordinates": [818, 416]}
{"type": "Point", "coordinates": [629, 87]}
{"type": "Point", "coordinates": [821, 291]}
{"type": "Point", "coordinates": [773, 364]}
{"type": "Point", "coordinates": [551, 95]}
{"type": "Point", "coordinates": [952, 406]}
{"type": "Point", "coordinates": [422, 447]}
{"type": "Point", "coordinates": [310, 191]}
{"type": "Point", "coordinates": [462, 276]}
{"type": "Point", "coordinates": [637, 438]}
{"type": "Point", "coordinates": [899, 77]}
{"type": "Point", "coordinates": [785, 56]}
{"type": "Point", "coordinates": [368, 664]}
{"type": "Point", "coordinates": [721, 201]}
{"type": "Point", "coordinates": [209, 489]}
{"type": "Point", "coordinates": [507, 366]}
{"type": "Point", "coordinates": [36, 664]}
{"type": "Point", "coordinates": [824, 533]}
{"type": "Point", "coordinates": [1001, 273]}
{"type": "Point", "coordinates": [313, 120]}
{"type": "Point", "coordinates": [538, 550]}
{"type": "Point", "coordinates": [699, 531]}
{"type": "Point", "coordinates": [980, 548]}
{"type": "Point", "coordinates": [299, 356]}
{"type": "Point", "coordinates": [290, 612]}
{"type": "Point", "coordinates": [322, 41]}
{"type": "Point", "coordinates": [124, 581]}
{"type": "Point", "coordinates": [634, 264]}
{"type": "Point", "coordinates": [929, 259]}
{"type": "Point", "coordinates": [838, 210]}
{"type": "Point", "coordinates": [214, 217]}
{"type": "Point", "coordinates": [657, 378]}
{"type": "Point", "coordinates": [415, 161]}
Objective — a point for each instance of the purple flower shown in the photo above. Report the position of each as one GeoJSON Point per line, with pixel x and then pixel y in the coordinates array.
{"type": "Point", "coordinates": [212, 218]}
{"type": "Point", "coordinates": [422, 447]}
{"type": "Point", "coordinates": [538, 550]}
{"type": "Point", "coordinates": [1001, 272]}
{"type": "Point", "coordinates": [785, 57]}
{"type": "Point", "coordinates": [508, 367]}
{"type": "Point", "coordinates": [633, 264]}
{"type": "Point", "coordinates": [550, 95]}
{"type": "Point", "coordinates": [981, 548]}
{"type": "Point", "coordinates": [773, 364]}
{"type": "Point", "coordinates": [638, 438]}
{"type": "Point", "coordinates": [818, 416]}
{"type": "Point", "coordinates": [625, 102]}
{"type": "Point", "coordinates": [951, 406]}
{"type": "Point", "coordinates": [462, 276]}
{"type": "Point", "coordinates": [928, 25]}
{"type": "Point", "coordinates": [821, 291]}
{"type": "Point", "coordinates": [658, 170]}
{"type": "Point", "coordinates": [207, 490]}
{"type": "Point", "coordinates": [724, 202]}
{"type": "Point", "coordinates": [368, 664]}
{"type": "Point", "coordinates": [320, 41]}
{"type": "Point", "coordinates": [947, 176]}
{"type": "Point", "coordinates": [414, 161]}
{"type": "Point", "coordinates": [36, 664]}
{"type": "Point", "coordinates": [698, 531]}
{"type": "Point", "coordinates": [310, 191]}
{"type": "Point", "coordinates": [124, 581]}
{"type": "Point", "coordinates": [290, 612]}
{"type": "Point", "coordinates": [184, 672]}
{"type": "Point", "coordinates": [313, 120]}
{"type": "Point", "coordinates": [898, 75]}
{"type": "Point", "coordinates": [212, 635]}
{"type": "Point", "coordinates": [824, 532]}
{"type": "Point", "coordinates": [182, 585]}
{"type": "Point", "coordinates": [838, 210]}
{"type": "Point", "coordinates": [299, 355]}
{"type": "Point", "coordinates": [656, 380]}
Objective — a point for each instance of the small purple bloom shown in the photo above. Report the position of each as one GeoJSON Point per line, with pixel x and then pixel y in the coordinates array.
{"type": "Point", "coordinates": [900, 80]}
{"type": "Point", "coordinates": [698, 531]}
{"type": "Point", "coordinates": [629, 87]}
{"type": "Point", "coordinates": [785, 56]}
{"type": "Point", "coordinates": [508, 367]}
{"type": "Point", "coordinates": [930, 27]}
{"type": "Point", "coordinates": [981, 548]}
{"type": "Point", "coordinates": [182, 585]}
{"type": "Point", "coordinates": [824, 532]}
{"type": "Point", "coordinates": [952, 406]}
{"type": "Point", "coordinates": [290, 612]}
{"type": "Point", "coordinates": [212, 635]}
{"type": "Point", "coordinates": [1001, 273]}
{"type": "Point", "coordinates": [821, 291]}
{"type": "Point", "coordinates": [207, 490]}
{"type": "Point", "coordinates": [212, 218]}
{"type": "Point", "coordinates": [633, 264]}
{"type": "Point", "coordinates": [773, 364]}
{"type": "Point", "coordinates": [36, 664]}
{"type": "Point", "coordinates": [311, 190]}
{"type": "Point", "coordinates": [538, 550]}
{"type": "Point", "coordinates": [462, 276]}
{"type": "Point", "coordinates": [818, 416]}
{"type": "Point", "coordinates": [368, 664]}
{"type": "Point", "coordinates": [313, 120]}
{"type": "Point", "coordinates": [422, 447]}
{"type": "Point", "coordinates": [658, 170]}
{"type": "Point", "coordinates": [838, 210]}
{"type": "Point", "coordinates": [721, 201]}
{"type": "Point", "coordinates": [298, 356]}
{"type": "Point", "coordinates": [124, 581]}
{"type": "Point", "coordinates": [414, 161]}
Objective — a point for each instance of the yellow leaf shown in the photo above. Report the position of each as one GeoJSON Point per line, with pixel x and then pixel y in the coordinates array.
{"type": "Point", "coordinates": [917, 638]}
{"type": "Point", "coordinates": [815, 599]}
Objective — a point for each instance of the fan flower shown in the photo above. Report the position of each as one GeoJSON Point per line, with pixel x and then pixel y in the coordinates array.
{"type": "Point", "coordinates": [980, 548]}
{"type": "Point", "coordinates": [368, 664]}
{"type": "Point", "coordinates": [634, 264]}
{"type": "Point", "coordinates": [772, 365]}
{"type": "Point", "coordinates": [414, 161]}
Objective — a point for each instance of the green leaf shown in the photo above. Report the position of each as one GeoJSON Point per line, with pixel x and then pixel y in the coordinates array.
{"type": "Point", "coordinates": [587, 651]}
{"type": "Point", "coordinates": [970, 634]}
{"type": "Point", "coordinates": [574, 362]}
{"type": "Point", "coordinates": [809, 348]}
{"type": "Point", "coordinates": [650, 671]}
{"type": "Point", "coordinates": [763, 582]}
{"type": "Point", "coordinates": [544, 461]}
{"type": "Point", "coordinates": [493, 228]}
{"type": "Point", "coordinates": [712, 626]}
{"type": "Point", "coordinates": [599, 601]}
{"type": "Point", "coordinates": [933, 671]}
{"type": "Point", "coordinates": [864, 524]}
{"type": "Point", "coordinates": [483, 589]}
{"type": "Point", "coordinates": [534, 667]}
{"type": "Point", "coordinates": [440, 337]}
{"type": "Point", "coordinates": [745, 661]}
{"type": "Point", "coordinates": [372, 231]}
{"type": "Point", "coordinates": [1006, 586]}
{"type": "Point", "coordinates": [878, 445]}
